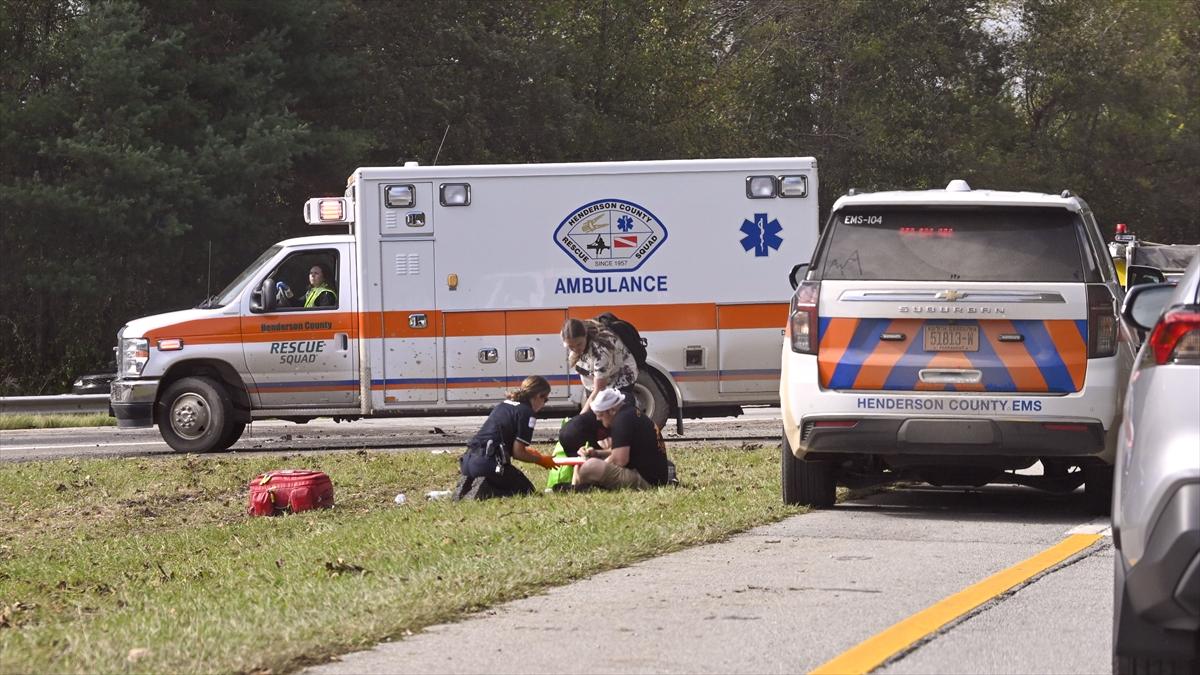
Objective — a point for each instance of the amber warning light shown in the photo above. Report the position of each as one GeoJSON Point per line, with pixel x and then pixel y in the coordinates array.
{"type": "Point", "coordinates": [327, 211]}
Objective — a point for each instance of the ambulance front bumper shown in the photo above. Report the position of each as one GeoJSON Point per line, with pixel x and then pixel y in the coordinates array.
{"type": "Point", "coordinates": [132, 402]}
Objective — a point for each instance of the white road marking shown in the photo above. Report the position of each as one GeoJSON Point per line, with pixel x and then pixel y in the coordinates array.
{"type": "Point", "coordinates": [1101, 526]}
{"type": "Point", "coordinates": [80, 445]}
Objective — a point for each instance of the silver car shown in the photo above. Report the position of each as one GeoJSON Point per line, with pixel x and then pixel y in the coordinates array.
{"type": "Point", "coordinates": [1156, 495]}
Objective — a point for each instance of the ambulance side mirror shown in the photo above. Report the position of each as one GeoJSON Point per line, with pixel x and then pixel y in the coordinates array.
{"type": "Point", "coordinates": [262, 299]}
{"type": "Point", "coordinates": [797, 275]}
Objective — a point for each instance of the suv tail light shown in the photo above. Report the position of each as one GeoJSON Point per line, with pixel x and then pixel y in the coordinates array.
{"type": "Point", "coordinates": [1102, 322]}
{"type": "Point", "coordinates": [1176, 336]}
{"type": "Point", "coordinates": [802, 319]}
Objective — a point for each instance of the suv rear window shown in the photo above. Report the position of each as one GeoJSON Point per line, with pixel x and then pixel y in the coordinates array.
{"type": "Point", "coordinates": [959, 244]}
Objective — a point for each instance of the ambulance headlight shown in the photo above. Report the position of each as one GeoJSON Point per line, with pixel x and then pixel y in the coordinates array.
{"type": "Point", "coordinates": [760, 187]}
{"type": "Point", "coordinates": [455, 194]}
{"type": "Point", "coordinates": [135, 352]}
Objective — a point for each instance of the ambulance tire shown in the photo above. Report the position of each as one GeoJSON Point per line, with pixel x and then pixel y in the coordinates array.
{"type": "Point", "coordinates": [232, 434]}
{"type": "Point", "coordinates": [650, 398]}
{"type": "Point", "coordinates": [807, 483]}
{"type": "Point", "coordinates": [196, 415]}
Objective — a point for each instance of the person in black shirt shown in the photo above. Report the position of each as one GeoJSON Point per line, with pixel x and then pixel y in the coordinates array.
{"type": "Point", "coordinates": [633, 459]}
{"type": "Point", "coordinates": [507, 434]}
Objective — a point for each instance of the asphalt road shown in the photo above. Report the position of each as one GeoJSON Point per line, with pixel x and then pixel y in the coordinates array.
{"type": "Point", "coordinates": [784, 598]}
{"type": "Point", "coordinates": [787, 597]}
{"type": "Point", "coordinates": [756, 424]}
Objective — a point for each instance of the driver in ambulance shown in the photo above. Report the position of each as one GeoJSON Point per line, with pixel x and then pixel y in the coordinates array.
{"type": "Point", "coordinates": [319, 293]}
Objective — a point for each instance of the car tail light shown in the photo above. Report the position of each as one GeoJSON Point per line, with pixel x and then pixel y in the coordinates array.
{"type": "Point", "coordinates": [802, 319]}
{"type": "Point", "coordinates": [1176, 336]}
{"type": "Point", "coordinates": [1102, 322]}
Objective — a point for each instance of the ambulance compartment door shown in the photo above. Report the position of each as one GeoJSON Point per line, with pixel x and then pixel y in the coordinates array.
{"type": "Point", "coordinates": [410, 324]}
{"type": "Point", "coordinates": [476, 356]}
{"type": "Point", "coordinates": [306, 356]}
{"type": "Point", "coordinates": [748, 340]}
{"type": "Point", "coordinates": [535, 348]}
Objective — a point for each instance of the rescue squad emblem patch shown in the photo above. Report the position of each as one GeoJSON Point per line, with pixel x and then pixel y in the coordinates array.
{"type": "Point", "coordinates": [610, 235]}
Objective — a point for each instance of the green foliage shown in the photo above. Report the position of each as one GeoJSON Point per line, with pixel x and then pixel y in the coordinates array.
{"type": "Point", "coordinates": [138, 136]}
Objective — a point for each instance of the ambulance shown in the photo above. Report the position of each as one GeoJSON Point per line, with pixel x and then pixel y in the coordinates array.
{"type": "Point", "coordinates": [957, 337]}
{"type": "Point", "coordinates": [450, 284]}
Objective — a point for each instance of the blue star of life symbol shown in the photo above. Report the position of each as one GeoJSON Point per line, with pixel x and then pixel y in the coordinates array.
{"type": "Point", "coordinates": [761, 235]}
{"type": "Point", "coordinates": [624, 223]}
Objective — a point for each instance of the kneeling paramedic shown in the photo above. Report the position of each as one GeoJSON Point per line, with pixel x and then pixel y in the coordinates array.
{"type": "Point", "coordinates": [634, 459]}
{"type": "Point", "coordinates": [486, 468]}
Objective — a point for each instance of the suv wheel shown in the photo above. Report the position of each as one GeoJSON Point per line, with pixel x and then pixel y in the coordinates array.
{"type": "Point", "coordinates": [196, 415]}
{"type": "Point", "coordinates": [807, 483]}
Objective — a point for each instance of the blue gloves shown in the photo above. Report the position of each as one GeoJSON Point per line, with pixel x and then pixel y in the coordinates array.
{"type": "Point", "coordinates": [282, 291]}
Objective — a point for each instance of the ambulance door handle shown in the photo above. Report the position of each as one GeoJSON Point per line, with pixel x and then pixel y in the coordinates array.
{"type": "Point", "coordinates": [489, 355]}
{"type": "Point", "coordinates": [344, 341]}
{"type": "Point", "coordinates": [524, 354]}
{"type": "Point", "coordinates": [417, 321]}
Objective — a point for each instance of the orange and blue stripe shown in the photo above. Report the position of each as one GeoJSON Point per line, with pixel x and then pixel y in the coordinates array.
{"type": "Point", "coordinates": [1051, 358]}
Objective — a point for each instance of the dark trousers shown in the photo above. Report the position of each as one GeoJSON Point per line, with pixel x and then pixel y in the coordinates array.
{"type": "Point", "coordinates": [507, 483]}
{"type": "Point", "coordinates": [584, 428]}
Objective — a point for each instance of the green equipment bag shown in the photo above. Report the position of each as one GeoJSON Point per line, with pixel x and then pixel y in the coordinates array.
{"type": "Point", "coordinates": [561, 475]}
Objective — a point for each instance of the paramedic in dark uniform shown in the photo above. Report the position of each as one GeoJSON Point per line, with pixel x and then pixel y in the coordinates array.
{"type": "Point", "coordinates": [602, 361]}
{"type": "Point", "coordinates": [633, 458]}
{"type": "Point", "coordinates": [507, 434]}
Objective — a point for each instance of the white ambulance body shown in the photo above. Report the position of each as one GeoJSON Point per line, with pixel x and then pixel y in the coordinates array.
{"type": "Point", "coordinates": [454, 283]}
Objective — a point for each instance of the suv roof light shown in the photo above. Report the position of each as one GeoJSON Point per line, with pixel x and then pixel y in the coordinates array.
{"type": "Point", "coordinates": [958, 185]}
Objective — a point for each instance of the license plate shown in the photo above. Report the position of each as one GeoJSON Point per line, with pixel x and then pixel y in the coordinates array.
{"type": "Point", "coordinates": [951, 338]}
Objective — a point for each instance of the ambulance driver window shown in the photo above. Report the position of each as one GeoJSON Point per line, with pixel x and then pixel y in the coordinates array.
{"type": "Point", "coordinates": [307, 281]}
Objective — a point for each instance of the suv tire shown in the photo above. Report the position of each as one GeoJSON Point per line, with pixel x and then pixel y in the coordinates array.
{"type": "Point", "coordinates": [807, 482]}
{"type": "Point", "coordinates": [196, 415]}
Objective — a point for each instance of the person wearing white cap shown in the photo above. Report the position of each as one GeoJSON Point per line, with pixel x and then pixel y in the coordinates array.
{"type": "Point", "coordinates": [633, 459]}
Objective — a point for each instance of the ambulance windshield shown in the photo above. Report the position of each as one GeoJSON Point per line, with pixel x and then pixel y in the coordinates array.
{"type": "Point", "coordinates": [235, 287]}
{"type": "Point", "coordinates": [952, 244]}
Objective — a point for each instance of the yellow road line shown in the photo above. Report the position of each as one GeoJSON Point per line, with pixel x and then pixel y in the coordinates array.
{"type": "Point", "coordinates": [874, 651]}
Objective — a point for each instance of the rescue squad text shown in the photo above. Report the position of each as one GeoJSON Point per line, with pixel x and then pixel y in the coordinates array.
{"type": "Point", "coordinates": [953, 404]}
{"type": "Point", "coordinates": [298, 351]}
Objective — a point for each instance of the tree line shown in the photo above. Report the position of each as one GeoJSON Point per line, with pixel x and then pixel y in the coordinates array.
{"type": "Point", "coordinates": [149, 150]}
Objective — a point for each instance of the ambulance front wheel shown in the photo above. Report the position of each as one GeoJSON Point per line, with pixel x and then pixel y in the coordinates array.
{"type": "Point", "coordinates": [650, 398]}
{"type": "Point", "coordinates": [196, 415]}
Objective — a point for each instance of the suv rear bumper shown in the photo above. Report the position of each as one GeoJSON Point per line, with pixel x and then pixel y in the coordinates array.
{"type": "Point", "coordinates": [959, 437]}
{"type": "Point", "coordinates": [132, 402]}
{"type": "Point", "coordinates": [1164, 585]}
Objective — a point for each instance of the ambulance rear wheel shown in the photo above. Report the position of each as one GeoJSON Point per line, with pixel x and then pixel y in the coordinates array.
{"type": "Point", "coordinates": [196, 415]}
{"type": "Point", "coordinates": [650, 398]}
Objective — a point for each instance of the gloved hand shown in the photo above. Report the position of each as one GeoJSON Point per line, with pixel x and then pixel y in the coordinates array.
{"type": "Point", "coordinates": [282, 291]}
{"type": "Point", "coordinates": [544, 461]}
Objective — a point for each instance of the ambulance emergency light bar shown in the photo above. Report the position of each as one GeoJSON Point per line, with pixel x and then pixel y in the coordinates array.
{"type": "Point", "coordinates": [328, 211]}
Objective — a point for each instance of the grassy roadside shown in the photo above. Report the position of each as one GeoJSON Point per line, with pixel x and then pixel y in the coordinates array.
{"type": "Point", "coordinates": [150, 565]}
{"type": "Point", "coordinates": [13, 422]}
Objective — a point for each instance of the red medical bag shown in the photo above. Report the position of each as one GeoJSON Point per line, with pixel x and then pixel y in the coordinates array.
{"type": "Point", "coordinates": [290, 491]}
